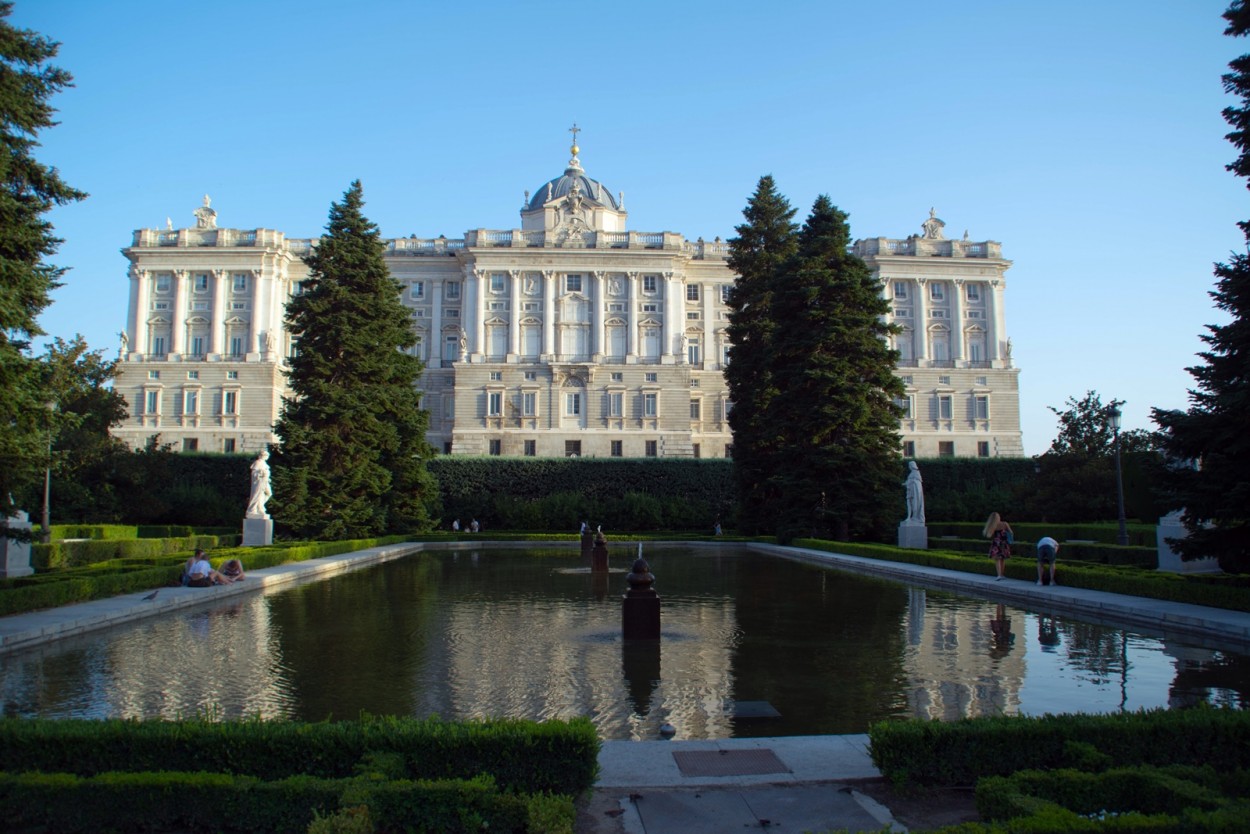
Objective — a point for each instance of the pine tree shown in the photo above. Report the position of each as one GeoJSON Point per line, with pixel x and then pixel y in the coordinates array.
{"type": "Point", "coordinates": [1212, 433]}
{"type": "Point", "coordinates": [28, 190]}
{"type": "Point", "coordinates": [353, 452]}
{"type": "Point", "coordinates": [765, 242]}
{"type": "Point", "coordinates": [837, 465]}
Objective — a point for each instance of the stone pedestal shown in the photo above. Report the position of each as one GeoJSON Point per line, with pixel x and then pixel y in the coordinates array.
{"type": "Point", "coordinates": [257, 531]}
{"type": "Point", "coordinates": [14, 554]}
{"type": "Point", "coordinates": [914, 535]}
{"type": "Point", "coordinates": [640, 607]}
{"type": "Point", "coordinates": [1170, 527]}
{"type": "Point", "coordinates": [588, 544]}
{"type": "Point", "coordinates": [599, 555]}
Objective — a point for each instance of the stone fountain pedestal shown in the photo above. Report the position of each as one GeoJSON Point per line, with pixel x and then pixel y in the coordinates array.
{"type": "Point", "coordinates": [640, 607]}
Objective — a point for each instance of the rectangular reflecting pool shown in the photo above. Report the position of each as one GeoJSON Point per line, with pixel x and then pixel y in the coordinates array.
{"type": "Point", "coordinates": [752, 645]}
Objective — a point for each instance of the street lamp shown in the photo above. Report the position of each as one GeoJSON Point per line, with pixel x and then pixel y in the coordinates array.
{"type": "Point", "coordinates": [1121, 537]}
{"type": "Point", "coordinates": [46, 535]}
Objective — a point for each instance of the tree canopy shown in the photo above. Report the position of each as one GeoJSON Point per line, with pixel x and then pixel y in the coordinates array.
{"type": "Point", "coordinates": [1209, 442]}
{"type": "Point", "coordinates": [28, 190]}
{"type": "Point", "coordinates": [352, 456]}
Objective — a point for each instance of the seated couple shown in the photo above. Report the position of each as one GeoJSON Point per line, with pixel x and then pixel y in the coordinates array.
{"type": "Point", "coordinates": [200, 574]}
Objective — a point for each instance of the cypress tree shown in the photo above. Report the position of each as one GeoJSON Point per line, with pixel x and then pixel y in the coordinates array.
{"type": "Point", "coordinates": [1212, 433]}
{"type": "Point", "coordinates": [28, 190]}
{"type": "Point", "coordinates": [352, 459]}
{"type": "Point", "coordinates": [837, 463]}
{"type": "Point", "coordinates": [764, 243]}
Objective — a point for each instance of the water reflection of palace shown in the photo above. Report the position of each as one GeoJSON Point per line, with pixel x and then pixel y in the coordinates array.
{"type": "Point", "coordinates": [961, 664]}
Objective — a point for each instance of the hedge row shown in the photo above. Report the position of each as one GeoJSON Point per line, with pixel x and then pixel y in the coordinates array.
{"type": "Point", "coordinates": [1216, 590]}
{"type": "Point", "coordinates": [1102, 554]}
{"type": "Point", "coordinates": [553, 756]}
{"type": "Point", "coordinates": [128, 575]}
{"type": "Point", "coordinates": [933, 753]}
{"type": "Point", "coordinates": [213, 802]}
{"type": "Point", "coordinates": [1139, 535]}
{"type": "Point", "coordinates": [75, 554]}
{"type": "Point", "coordinates": [1178, 798]}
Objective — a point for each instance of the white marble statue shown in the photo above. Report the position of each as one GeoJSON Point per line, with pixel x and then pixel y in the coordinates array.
{"type": "Point", "coordinates": [914, 485]}
{"type": "Point", "coordinates": [260, 486]}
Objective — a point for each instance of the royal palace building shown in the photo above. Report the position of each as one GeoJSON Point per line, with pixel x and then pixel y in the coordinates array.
{"type": "Point", "coordinates": [570, 335]}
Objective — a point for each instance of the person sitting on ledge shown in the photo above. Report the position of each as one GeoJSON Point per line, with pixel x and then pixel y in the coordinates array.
{"type": "Point", "coordinates": [202, 573]}
{"type": "Point", "coordinates": [233, 570]}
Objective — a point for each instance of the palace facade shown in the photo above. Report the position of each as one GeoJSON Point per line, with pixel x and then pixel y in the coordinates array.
{"type": "Point", "coordinates": [570, 335]}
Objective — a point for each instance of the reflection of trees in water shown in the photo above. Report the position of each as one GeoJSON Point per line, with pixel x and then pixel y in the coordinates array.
{"type": "Point", "coordinates": [1220, 679]}
{"type": "Point", "coordinates": [1094, 649]}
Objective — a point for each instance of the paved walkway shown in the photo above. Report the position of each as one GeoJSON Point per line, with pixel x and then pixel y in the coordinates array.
{"type": "Point", "coordinates": [795, 784]}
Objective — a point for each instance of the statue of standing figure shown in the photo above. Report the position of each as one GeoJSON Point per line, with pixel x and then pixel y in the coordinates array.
{"type": "Point", "coordinates": [914, 486]}
{"type": "Point", "coordinates": [261, 490]}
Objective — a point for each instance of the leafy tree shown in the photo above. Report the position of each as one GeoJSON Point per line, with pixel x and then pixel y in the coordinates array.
{"type": "Point", "coordinates": [28, 190]}
{"type": "Point", "coordinates": [1215, 494]}
{"type": "Point", "coordinates": [1085, 429]}
{"type": "Point", "coordinates": [834, 413]}
{"type": "Point", "coordinates": [352, 459]}
{"type": "Point", "coordinates": [765, 242]}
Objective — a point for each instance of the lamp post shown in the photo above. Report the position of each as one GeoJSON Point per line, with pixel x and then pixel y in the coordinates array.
{"type": "Point", "coordinates": [1121, 537]}
{"type": "Point", "coordinates": [46, 534]}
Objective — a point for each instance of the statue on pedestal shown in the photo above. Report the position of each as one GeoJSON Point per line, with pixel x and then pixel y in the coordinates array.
{"type": "Point", "coordinates": [261, 490]}
{"type": "Point", "coordinates": [914, 485]}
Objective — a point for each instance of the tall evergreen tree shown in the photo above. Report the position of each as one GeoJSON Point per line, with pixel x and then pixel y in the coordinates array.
{"type": "Point", "coordinates": [1216, 495]}
{"type": "Point", "coordinates": [352, 459]}
{"type": "Point", "coordinates": [766, 241]}
{"type": "Point", "coordinates": [837, 466]}
{"type": "Point", "coordinates": [28, 190]}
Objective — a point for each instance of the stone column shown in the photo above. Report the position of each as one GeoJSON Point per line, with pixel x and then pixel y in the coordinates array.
{"type": "Point", "coordinates": [178, 315]}
{"type": "Point", "coordinates": [996, 323]}
{"type": "Point", "coordinates": [549, 315]}
{"type": "Point", "coordinates": [631, 320]}
{"type": "Point", "coordinates": [921, 342]}
{"type": "Point", "coordinates": [436, 325]}
{"type": "Point", "coordinates": [957, 320]}
{"type": "Point", "coordinates": [598, 303]}
{"type": "Point", "coordinates": [669, 331]}
{"type": "Point", "coordinates": [139, 333]}
{"type": "Point", "coordinates": [477, 334]}
{"type": "Point", "coordinates": [514, 315]}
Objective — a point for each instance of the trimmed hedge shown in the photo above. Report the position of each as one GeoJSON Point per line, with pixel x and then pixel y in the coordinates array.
{"type": "Point", "coordinates": [553, 756]}
{"type": "Point", "coordinates": [1139, 535]}
{"type": "Point", "coordinates": [214, 802]}
{"type": "Point", "coordinates": [933, 753]}
{"type": "Point", "coordinates": [73, 554]}
{"type": "Point", "coordinates": [1104, 554]}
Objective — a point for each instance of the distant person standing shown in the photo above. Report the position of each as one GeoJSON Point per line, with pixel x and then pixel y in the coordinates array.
{"type": "Point", "coordinates": [1047, 550]}
{"type": "Point", "coordinates": [474, 526]}
{"type": "Point", "coordinates": [455, 526]}
{"type": "Point", "coordinates": [999, 534]}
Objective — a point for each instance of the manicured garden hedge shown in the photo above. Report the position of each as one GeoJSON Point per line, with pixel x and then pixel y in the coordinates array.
{"type": "Point", "coordinates": [554, 756]}
{"type": "Point", "coordinates": [1139, 535]}
{"type": "Point", "coordinates": [933, 753]}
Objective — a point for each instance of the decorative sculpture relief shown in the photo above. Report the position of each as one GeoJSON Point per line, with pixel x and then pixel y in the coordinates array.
{"type": "Point", "coordinates": [205, 217]}
{"type": "Point", "coordinates": [933, 226]}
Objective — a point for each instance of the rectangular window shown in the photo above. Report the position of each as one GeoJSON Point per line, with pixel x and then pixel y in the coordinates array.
{"type": "Point", "coordinates": [197, 345]}
{"type": "Point", "coordinates": [692, 292]}
{"type": "Point", "coordinates": [530, 307]}
{"type": "Point", "coordinates": [696, 409]}
{"type": "Point", "coordinates": [573, 404]}
{"type": "Point", "coordinates": [152, 402]}
{"type": "Point", "coordinates": [531, 448]}
{"type": "Point", "coordinates": [160, 305]}
{"type": "Point", "coordinates": [617, 449]}
{"type": "Point", "coordinates": [937, 291]}
{"type": "Point", "coordinates": [983, 448]}
{"type": "Point", "coordinates": [981, 380]}
{"type": "Point", "coordinates": [200, 305]}
{"type": "Point", "coordinates": [617, 376]}
{"type": "Point", "coordinates": [239, 284]}
{"type": "Point", "coordinates": [650, 404]}
{"type": "Point", "coordinates": [651, 376]}
{"type": "Point", "coordinates": [944, 380]}
{"type": "Point", "coordinates": [572, 283]}
{"type": "Point", "coordinates": [616, 403]}
{"type": "Point", "coordinates": [417, 290]}
{"type": "Point", "coordinates": [232, 374]}
{"type": "Point", "coordinates": [158, 345]}
{"type": "Point", "coordinates": [496, 447]}
{"type": "Point", "coordinates": [648, 284]}
{"type": "Point", "coordinates": [944, 407]}
{"type": "Point", "coordinates": [725, 290]}
{"type": "Point", "coordinates": [190, 402]}
{"type": "Point", "coordinates": [981, 408]}
{"type": "Point", "coordinates": [531, 374]}
{"type": "Point", "coordinates": [650, 308]}
{"type": "Point", "coordinates": [616, 308]}
{"type": "Point", "coordinates": [974, 314]}
{"type": "Point", "coordinates": [900, 291]}
{"type": "Point", "coordinates": [496, 283]}
{"type": "Point", "coordinates": [909, 448]}
{"type": "Point", "coordinates": [902, 313]}
{"type": "Point", "coordinates": [446, 447]}
{"type": "Point", "coordinates": [452, 313]}
{"type": "Point", "coordinates": [193, 374]}
{"type": "Point", "coordinates": [653, 448]}
{"type": "Point", "coordinates": [154, 374]}
{"type": "Point", "coordinates": [572, 448]}
{"type": "Point", "coordinates": [529, 404]}
{"type": "Point", "coordinates": [905, 403]}
{"type": "Point", "coordinates": [453, 290]}
{"type": "Point", "coordinates": [494, 403]}
{"type": "Point", "coordinates": [230, 402]}
{"type": "Point", "coordinates": [937, 314]}
{"type": "Point", "coordinates": [698, 450]}
{"type": "Point", "coordinates": [190, 444]}
{"type": "Point", "coordinates": [946, 448]}
{"type": "Point", "coordinates": [227, 445]}
{"type": "Point", "coordinates": [692, 315]}
{"type": "Point", "coordinates": [973, 292]}
{"type": "Point", "coordinates": [236, 345]}
{"type": "Point", "coordinates": [496, 376]}
{"type": "Point", "coordinates": [451, 347]}
{"type": "Point", "coordinates": [238, 305]}
{"type": "Point", "coordinates": [694, 352]}
{"type": "Point", "coordinates": [201, 282]}
{"type": "Point", "coordinates": [162, 282]}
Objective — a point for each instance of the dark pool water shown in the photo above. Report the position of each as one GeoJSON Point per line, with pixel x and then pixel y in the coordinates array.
{"type": "Point", "coordinates": [532, 634]}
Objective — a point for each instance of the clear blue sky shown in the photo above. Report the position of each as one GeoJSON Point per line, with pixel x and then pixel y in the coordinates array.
{"type": "Point", "coordinates": [1084, 136]}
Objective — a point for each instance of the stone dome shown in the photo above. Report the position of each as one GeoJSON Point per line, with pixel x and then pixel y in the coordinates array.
{"type": "Point", "coordinates": [593, 191]}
